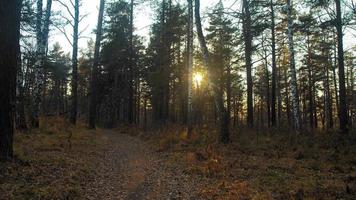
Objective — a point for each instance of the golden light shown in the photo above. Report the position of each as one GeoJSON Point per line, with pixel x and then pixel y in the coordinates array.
{"type": "Point", "coordinates": [197, 79]}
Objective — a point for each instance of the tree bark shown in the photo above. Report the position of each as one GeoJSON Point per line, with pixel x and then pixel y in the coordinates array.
{"type": "Point", "coordinates": [131, 69]}
{"type": "Point", "coordinates": [247, 34]}
{"type": "Point", "coordinates": [9, 56]}
{"type": "Point", "coordinates": [310, 85]}
{"type": "Point", "coordinates": [190, 37]}
{"type": "Point", "coordinates": [94, 70]}
{"type": "Point", "coordinates": [42, 43]}
{"type": "Point", "coordinates": [274, 68]}
{"type": "Point", "coordinates": [20, 99]}
{"type": "Point", "coordinates": [292, 70]}
{"type": "Point", "coordinates": [74, 83]}
{"type": "Point", "coordinates": [342, 88]}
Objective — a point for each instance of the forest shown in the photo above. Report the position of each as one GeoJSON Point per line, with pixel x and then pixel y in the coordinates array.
{"type": "Point", "coordinates": [210, 99]}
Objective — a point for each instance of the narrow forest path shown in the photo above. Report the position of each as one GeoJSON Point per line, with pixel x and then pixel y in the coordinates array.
{"type": "Point", "coordinates": [130, 170]}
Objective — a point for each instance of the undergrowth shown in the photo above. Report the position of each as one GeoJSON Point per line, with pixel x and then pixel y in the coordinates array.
{"type": "Point", "coordinates": [263, 164]}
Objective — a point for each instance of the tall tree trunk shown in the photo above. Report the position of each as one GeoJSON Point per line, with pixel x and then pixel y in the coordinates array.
{"type": "Point", "coordinates": [42, 43]}
{"type": "Point", "coordinates": [94, 70]}
{"type": "Point", "coordinates": [274, 68]}
{"type": "Point", "coordinates": [38, 68]}
{"type": "Point", "coordinates": [190, 38]}
{"type": "Point", "coordinates": [247, 34]}
{"type": "Point", "coordinates": [340, 53]}
{"type": "Point", "coordinates": [74, 83]}
{"type": "Point", "coordinates": [212, 79]}
{"type": "Point", "coordinates": [131, 69]}
{"type": "Point", "coordinates": [292, 70]}
{"type": "Point", "coordinates": [9, 56]}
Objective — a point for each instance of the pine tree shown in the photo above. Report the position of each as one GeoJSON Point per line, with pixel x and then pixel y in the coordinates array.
{"type": "Point", "coordinates": [220, 38]}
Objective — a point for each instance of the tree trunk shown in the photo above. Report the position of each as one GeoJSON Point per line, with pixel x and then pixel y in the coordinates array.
{"type": "Point", "coordinates": [74, 83]}
{"type": "Point", "coordinates": [94, 70]}
{"type": "Point", "coordinates": [9, 57]}
{"type": "Point", "coordinates": [342, 88]}
{"type": "Point", "coordinates": [190, 38]}
{"type": "Point", "coordinates": [131, 70]}
{"type": "Point", "coordinates": [292, 70]}
{"type": "Point", "coordinates": [274, 68]}
{"type": "Point", "coordinates": [212, 79]}
{"type": "Point", "coordinates": [334, 77]}
{"type": "Point", "coordinates": [20, 99]}
{"type": "Point", "coordinates": [42, 43]}
{"type": "Point", "coordinates": [310, 85]}
{"type": "Point", "coordinates": [247, 34]}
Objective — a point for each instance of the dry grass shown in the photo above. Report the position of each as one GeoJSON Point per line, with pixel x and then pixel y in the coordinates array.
{"type": "Point", "coordinates": [53, 162]}
{"type": "Point", "coordinates": [264, 165]}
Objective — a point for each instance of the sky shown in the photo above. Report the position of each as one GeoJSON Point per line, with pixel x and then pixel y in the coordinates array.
{"type": "Point", "coordinates": [144, 14]}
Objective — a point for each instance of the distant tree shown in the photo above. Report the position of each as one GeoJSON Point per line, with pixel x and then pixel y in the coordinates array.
{"type": "Point", "coordinates": [221, 40]}
{"type": "Point", "coordinates": [10, 14]}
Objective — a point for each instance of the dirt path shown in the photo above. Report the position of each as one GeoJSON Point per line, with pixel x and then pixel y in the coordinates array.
{"type": "Point", "coordinates": [129, 170]}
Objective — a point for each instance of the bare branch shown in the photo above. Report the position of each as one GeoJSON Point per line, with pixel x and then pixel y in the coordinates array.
{"type": "Point", "coordinates": [71, 2]}
{"type": "Point", "coordinates": [63, 31]}
{"type": "Point", "coordinates": [83, 17]}
{"type": "Point", "coordinates": [80, 33]}
{"type": "Point", "coordinates": [67, 20]}
{"type": "Point", "coordinates": [66, 6]}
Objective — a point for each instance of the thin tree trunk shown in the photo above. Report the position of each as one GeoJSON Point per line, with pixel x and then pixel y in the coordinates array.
{"type": "Point", "coordinates": [20, 98]}
{"type": "Point", "coordinates": [292, 70]}
{"type": "Point", "coordinates": [279, 98]}
{"type": "Point", "coordinates": [268, 103]}
{"type": "Point", "coordinates": [248, 53]}
{"type": "Point", "coordinates": [190, 38]}
{"type": "Point", "coordinates": [74, 83]}
{"type": "Point", "coordinates": [94, 71]}
{"type": "Point", "coordinates": [334, 78]}
{"type": "Point", "coordinates": [310, 85]}
{"type": "Point", "coordinates": [274, 68]}
{"type": "Point", "coordinates": [9, 56]}
{"type": "Point", "coordinates": [228, 94]}
{"type": "Point", "coordinates": [131, 69]}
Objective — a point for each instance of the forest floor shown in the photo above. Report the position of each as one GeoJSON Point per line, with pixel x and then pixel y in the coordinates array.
{"type": "Point", "coordinates": [63, 162]}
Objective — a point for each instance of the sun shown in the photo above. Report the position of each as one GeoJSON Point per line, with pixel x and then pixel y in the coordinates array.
{"type": "Point", "coordinates": [197, 79]}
